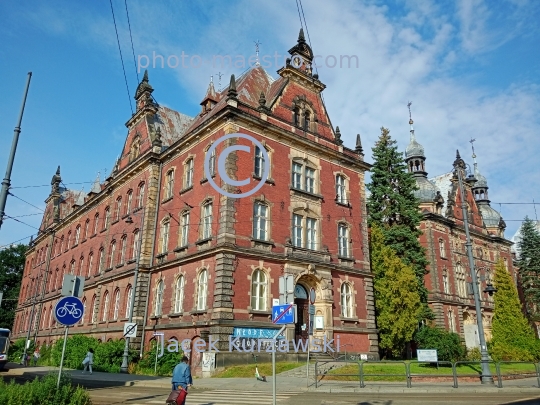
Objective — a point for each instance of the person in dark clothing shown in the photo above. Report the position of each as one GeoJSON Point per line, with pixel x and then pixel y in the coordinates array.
{"type": "Point", "coordinates": [182, 375]}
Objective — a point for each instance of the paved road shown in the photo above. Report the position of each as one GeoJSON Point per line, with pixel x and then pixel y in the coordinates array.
{"type": "Point", "coordinates": [149, 395]}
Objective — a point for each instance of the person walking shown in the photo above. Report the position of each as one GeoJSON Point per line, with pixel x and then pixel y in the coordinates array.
{"type": "Point", "coordinates": [182, 376]}
{"type": "Point", "coordinates": [88, 361]}
{"type": "Point", "coordinates": [36, 356]}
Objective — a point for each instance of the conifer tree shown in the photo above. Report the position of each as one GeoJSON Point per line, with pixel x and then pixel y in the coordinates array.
{"type": "Point", "coordinates": [513, 338]}
{"type": "Point", "coordinates": [529, 266]}
{"type": "Point", "coordinates": [393, 207]}
{"type": "Point", "coordinates": [397, 301]}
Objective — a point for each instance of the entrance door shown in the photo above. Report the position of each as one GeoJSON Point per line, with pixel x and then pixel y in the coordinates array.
{"type": "Point", "coordinates": [301, 329]}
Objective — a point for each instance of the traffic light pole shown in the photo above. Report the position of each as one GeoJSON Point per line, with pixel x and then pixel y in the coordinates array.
{"type": "Point", "coordinates": [6, 183]}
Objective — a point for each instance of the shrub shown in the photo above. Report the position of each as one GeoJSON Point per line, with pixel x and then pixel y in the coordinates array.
{"type": "Point", "coordinates": [44, 392]}
{"type": "Point", "coordinates": [448, 344]}
{"type": "Point", "coordinates": [165, 364]}
{"type": "Point", "coordinates": [474, 354]}
{"type": "Point", "coordinates": [16, 350]}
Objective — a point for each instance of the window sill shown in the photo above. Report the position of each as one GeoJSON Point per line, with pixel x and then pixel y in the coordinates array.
{"type": "Point", "coordinates": [93, 236]}
{"type": "Point", "coordinates": [119, 265]}
{"type": "Point", "coordinates": [203, 241]}
{"type": "Point", "coordinates": [126, 215]}
{"type": "Point", "coordinates": [205, 180]}
{"type": "Point", "coordinates": [84, 240]}
{"type": "Point", "coordinates": [258, 312]}
{"type": "Point", "coordinates": [263, 242]}
{"type": "Point", "coordinates": [297, 190]}
{"type": "Point", "coordinates": [115, 221]}
{"type": "Point", "coordinates": [346, 258]}
{"type": "Point", "coordinates": [347, 205]}
{"type": "Point", "coordinates": [269, 180]}
{"type": "Point", "coordinates": [137, 209]}
{"type": "Point", "coordinates": [180, 249]}
{"type": "Point", "coordinates": [75, 245]}
{"type": "Point", "coordinates": [109, 269]}
{"type": "Point", "coordinates": [198, 312]}
{"type": "Point", "coordinates": [162, 255]}
{"type": "Point", "coordinates": [185, 190]}
{"type": "Point", "coordinates": [175, 314]}
{"type": "Point", "coordinates": [167, 199]}
{"type": "Point", "coordinates": [156, 317]}
{"type": "Point", "coordinates": [352, 319]}
{"type": "Point", "coordinates": [103, 230]}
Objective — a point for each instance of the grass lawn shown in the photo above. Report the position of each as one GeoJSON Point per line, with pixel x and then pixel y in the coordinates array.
{"type": "Point", "coordinates": [248, 370]}
{"type": "Point", "coordinates": [351, 371]}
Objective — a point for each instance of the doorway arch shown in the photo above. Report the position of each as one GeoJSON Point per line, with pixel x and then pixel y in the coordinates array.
{"type": "Point", "coordinates": [302, 306]}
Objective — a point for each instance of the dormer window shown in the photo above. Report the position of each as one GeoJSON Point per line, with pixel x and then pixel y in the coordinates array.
{"type": "Point", "coordinates": [135, 149]}
{"type": "Point", "coordinates": [296, 117]}
{"type": "Point", "coordinates": [307, 118]}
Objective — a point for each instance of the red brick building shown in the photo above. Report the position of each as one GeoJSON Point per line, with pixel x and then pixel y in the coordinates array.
{"type": "Point", "coordinates": [209, 263]}
{"type": "Point", "coordinates": [444, 238]}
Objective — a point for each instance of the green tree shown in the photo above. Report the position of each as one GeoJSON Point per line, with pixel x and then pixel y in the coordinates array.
{"type": "Point", "coordinates": [393, 207]}
{"type": "Point", "coordinates": [397, 301]}
{"type": "Point", "coordinates": [11, 273]}
{"type": "Point", "coordinates": [513, 338]}
{"type": "Point", "coordinates": [447, 344]}
{"type": "Point", "coordinates": [529, 266]}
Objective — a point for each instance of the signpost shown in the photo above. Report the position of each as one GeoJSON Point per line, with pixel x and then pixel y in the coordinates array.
{"type": "Point", "coordinates": [68, 311]}
{"type": "Point", "coordinates": [73, 286]}
{"type": "Point", "coordinates": [311, 315]}
{"type": "Point", "coordinates": [281, 315]}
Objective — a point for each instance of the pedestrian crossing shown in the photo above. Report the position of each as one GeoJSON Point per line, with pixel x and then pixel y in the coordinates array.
{"type": "Point", "coordinates": [227, 397]}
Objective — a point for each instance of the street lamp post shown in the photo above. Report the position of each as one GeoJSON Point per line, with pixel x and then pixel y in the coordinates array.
{"type": "Point", "coordinates": [487, 378]}
{"type": "Point", "coordinates": [125, 357]}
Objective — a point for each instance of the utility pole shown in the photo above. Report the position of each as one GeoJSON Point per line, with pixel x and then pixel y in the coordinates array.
{"type": "Point", "coordinates": [487, 378]}
{"type": "Point", "coordinates": [7, 180]}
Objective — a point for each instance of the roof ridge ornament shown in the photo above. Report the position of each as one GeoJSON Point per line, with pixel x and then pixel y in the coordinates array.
{"type": "Point", "coordinates": [232, 93]}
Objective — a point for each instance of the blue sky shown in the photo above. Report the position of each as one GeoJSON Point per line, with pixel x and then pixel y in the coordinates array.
{"type": "Point", "coordinates": [471, 69]}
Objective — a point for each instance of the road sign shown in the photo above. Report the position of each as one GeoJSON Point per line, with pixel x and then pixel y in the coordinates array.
{"type": "Point", "coordinates": [72, 286]}
{"type": "Point", "coordinates": [130, 330]}
{"type": "Point", "coordinates": [284, 314]}
{"type": "Point", "coordinates": [312, 295]}
{"type": "Point", "coordinates": [68, 311]}
{"type": "Point", "coordinates": [286, 289]}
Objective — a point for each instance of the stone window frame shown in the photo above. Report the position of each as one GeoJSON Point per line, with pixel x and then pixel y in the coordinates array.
{"type": "Point", "coordinates": [196, 293]}
{"type": "Point", "coordinates": [105, 307]}
{"type": "Point", "coordinates": [461, 280]}
{"type": "Point", "coordinates": [353, 305]}
{"type": "Point", "coordinates": [348, 226]}
{"type": "Point", "coordinates": [96, 224]}
{"type": "Point", "coordinates": [169, 184]}
{"type": "Point", "coordinates": [86, 228]}
{"type": "Point", "coordinates": [306, 213]}
{"type": "Point", "coordinates": [301, 105]}
{"type": "Point", "coordinates": [178, 304]}
{"type": "Point", "coordinates": [267, 283]}
{"type": "Point", "coordinates": [118, 208]}
{"type": "Point", "coordinates": [268, 220]}
{"type": "Point", "coordinates": [128, 297]}
{"type": "Point", "coordinates": [123, 249]}
{"type": "Point", "coordinates": [346, 188]}
{"type": "Point", "coordinates": [203, 235]}
{"type": "Point", "coordinates": [181, 225]}
{"type": "Point", "coordinates": [446, 281]}
{"type": "Point", "coordinates": [157, 309]}
{"type": "Point", "coordinates": [270, 151]}
{"type": "Point", "coordinates": [211, 161]}
{"type": "Point", "coordinates": [110, 258]}
{"type": "Point", "coordinates": [164, 237]}
{"type": "Point", "coordinates": [77, 235]}
{"type": "Point", "coordinates": [442, 248]}
{"type": "Point", "coordinates": [129, 198]}
{"type": "Point", "coordinates": [116, 304]}
{"type": "Point", "coordinates": [90, 264]}
{"type": "Point", "coordinates": [188, 167]}
{"type": "Point", "coordinates": [141, 190]}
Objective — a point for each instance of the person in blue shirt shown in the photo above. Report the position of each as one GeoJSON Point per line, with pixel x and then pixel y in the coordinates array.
{"type": "Point", "coordinates": [182, 375]}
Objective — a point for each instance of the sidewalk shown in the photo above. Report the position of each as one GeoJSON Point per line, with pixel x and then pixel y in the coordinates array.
{"type": "Point", "coordinates": [283, 383]}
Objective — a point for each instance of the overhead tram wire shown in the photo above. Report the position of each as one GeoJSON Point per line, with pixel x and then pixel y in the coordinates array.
{"type": "Point", "coordinates": [18, 198]}
{"type": "Point", "coordinates": [131, 38]}
{"type": "Point", "coordinates": [121, 57]}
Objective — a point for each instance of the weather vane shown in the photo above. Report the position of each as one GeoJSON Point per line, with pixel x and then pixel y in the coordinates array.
{"type": "Point", "coordinates": [257, 43]}
{"type": "Point", "coordinates": [472, 144]}
{"type": "Point", "coordinates": [409, 107]}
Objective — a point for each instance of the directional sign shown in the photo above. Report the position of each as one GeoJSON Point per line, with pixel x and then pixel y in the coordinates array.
{"type": "Point", "coordinates": [68, 311]}
{"type": "Point", "coordinates": [284, 314]}
{"type": "Point", "coordinates": [130, 330]}
{"type": "Point", "coordinates": [72, 286]}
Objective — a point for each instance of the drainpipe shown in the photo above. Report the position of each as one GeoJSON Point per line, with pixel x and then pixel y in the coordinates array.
{"type": "Point", "coordinates": [151, 260]}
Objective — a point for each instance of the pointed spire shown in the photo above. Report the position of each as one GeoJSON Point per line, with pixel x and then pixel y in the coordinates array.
{"type": "Point", "coordinates": [338, 137]}
{"type": "Point", "coordinates": [359, 148]}
{"type": "Point", "coordinates": [457, 154]}
{"type": "Point", "coordinates": [55, 182]}
{"type": "Point", "coordinates": [96, 186]}
{"type": "Point", "coordinates": [231, 93]}
{"type": "Point", "coordinates": [302, 48]}
{"type": "Point", "coordinates": [301, 37]}
{"type": "Point", "coordinates": [143, 94]}
{"type": "Point", "coordinates": [157, 141]}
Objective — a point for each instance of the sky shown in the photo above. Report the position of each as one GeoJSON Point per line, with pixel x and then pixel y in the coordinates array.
{"type": "Point", "coordinates": [470, 67]}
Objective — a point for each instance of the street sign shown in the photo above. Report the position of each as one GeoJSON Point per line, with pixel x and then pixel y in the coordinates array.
{"type": "Point", "coordinates": [284, 314]}
{"type": "Point", "coordinates": [68, 311]}
{"type": "Point", "coordinates": [310, 326]}
{"type": "Point", "coordinates": [286, 289]}
{"type": "Point", "coordinates": [312, 309]}
{"type": "Point", "coordinates": [72, 286]}
{"type": "Point", "coordinates": [275, 301]}
{"type": "Point", "coordinates": [130, 330]}
{"type": "Point", "coordinates": [312, 296]}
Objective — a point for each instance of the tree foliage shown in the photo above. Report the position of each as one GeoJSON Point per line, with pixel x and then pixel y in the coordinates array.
{"type": "Point", "coordinates": [513, 338]}
{"type": "Point", "coordinates": [11, 273]}
{"type": "Point", "coordinates": [529, 266]}
{"type": "Point", "coordinates": [393, 207]}
{"type": "Point", "coordinates": [397, 301]}
{"type": "Point", "coordinates": [447, 344]}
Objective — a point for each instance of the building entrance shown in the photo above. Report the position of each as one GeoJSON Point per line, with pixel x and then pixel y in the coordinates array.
{"type": "Point", "coordinates": [302, 303]}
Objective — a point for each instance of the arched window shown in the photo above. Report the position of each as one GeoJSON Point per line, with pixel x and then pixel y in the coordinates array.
{"type": "Point", "coordinates": [446, 286]}
{"type": "Point", "coordinates": [116, 304]}
{"type": "Point", "coordinates": [84, 311]}
{"type": "Point", "coordinates": [101, 262]}
{"type": "Point", "coordinates": [202, 289]}
{"type": "Point", "coordinates": [258, 290]}
{"type": "Point", "coordinates": [77, 234]}
{"type": "Point", "coordinates": [346, 301]}
{"type": "Point", "coordinates": [307, 119]}
{"type": "Point", "coordinates": [129, 201]}
{"type": "Point", "coordinates": [260, 221]}
{"type": "Point", "coordinates": [259, 162]}
{"type": "Point", "coordinates": [303, 177]}
{"type": "Point", "coordinates": [96, 223]}
{"type": "Point", "coordinates": [118, 209]}
{"type": "Point", "coordinates": [50, 317]}
{"type": "Point", "coordinates": [184, 229]}
{"type": "Point", "coordinates": [68, 240]}
{"type": "Point", "coordinates": [451, 321]}
{"type": "Point", "coordinates": [44, 317]}
{"type": "Point", "coordinates": [442, 248]}
{"type": "Point", "coordinates": [129, 299]}
{"type": "Point", "coordinates": [81, 266]}
{"type": "Point", "coordinates": [112, 251]}
{"type": "Point", "coordinates": [107, 217]}
{"type": "Point", "coordinates": [86, 228]}
{"type": "Point", "coordinates": [343, 240]}
{"type": "Point", "coordinates": [72, 267]}
{"type": "Point", "coordinates": [179, 295]}
{"type": "Point", "coordinates": [62, 244]}
{"type": "Point", "coordinates": [169, 184]}
{"type": "Point", "coordinates": [158, 305]}
{"type": "Point", "coordinates": [140, 196]}
{"type": "Point", "coordinates": [188, 173]}
{"type": "Point", "coordinates": [90, 264]}
{"type": "Point", "coordinates": [212, 163]}
{"type": "Point", "coordinates": [296, 117]}
{"type": "Point", "coordinates": [341, 194]}
{"type": "Point", "coordinates": [207, 220]}
{"type": "Point", "coordinates": [135, 246]}
{"type": "Point", "coordinates": [123, 248]}
{"type": "Point", "coordinates": [105, 314]}
{"type": "Point", "coordinates": [94, 310]}
{"type": "Point", "coordinates": [461, 280]}
{"type": "Point", "coordinates": [164, 232]}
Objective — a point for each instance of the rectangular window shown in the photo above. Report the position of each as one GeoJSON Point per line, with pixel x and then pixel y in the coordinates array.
{"type": "Point", "coordinates": [165, 236]}
{"type": "Point", "coordinates": [310, 180]}
{"type": "Point", "coordinates": [141, 196]}
{"type": "Point", "coordinates": [260, 221]}
{"type": "Point", "coordinates": [259, 162]}
{"type": "Point", "coordinates": [297, 231]}
{"type": "Point", "coordinates": [207, 221]}
{"type": "Point", "coordinates": [343, 240]}
{"type": "Point", "coordinates": [128, 205]}
{"type": "Point", "coordinates": [311, 240]}
{"type": "Point", "coordinates": [340, 189]}
{"type": "Point", "coordinates": [297, 176]}
{"type": "Point", "coordinates": [189, 173]}
{"type": "Point", "coordinates": [170, 184]}
{"type": "Point", "coordinates": [184, 229]}
{"type": "Point", "coordinates": [446, 287]}
{"type": "Point", "coordinates": [212, 163]}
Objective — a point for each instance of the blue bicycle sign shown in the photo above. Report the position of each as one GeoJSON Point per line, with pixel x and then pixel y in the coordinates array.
{"type": "Point", "coordinates": [69, 311]}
